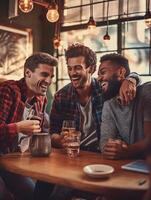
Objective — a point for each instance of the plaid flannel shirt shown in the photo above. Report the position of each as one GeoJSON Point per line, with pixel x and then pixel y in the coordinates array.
{"type": "Point", "coordinates": [13, 95]}
{"type": "Point", "coordinates": [65, 107]}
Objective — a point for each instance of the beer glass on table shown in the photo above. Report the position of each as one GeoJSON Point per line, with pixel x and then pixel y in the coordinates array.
{"type": "Point", "coordinates": [71, 138]}
{"type": "Point", "coordinates": [73, 144]}
{"type": "Point", "coordinates": [68, 126]}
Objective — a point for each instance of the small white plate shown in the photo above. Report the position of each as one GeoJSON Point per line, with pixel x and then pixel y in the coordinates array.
{"type": "Point", "coordinates": [98, 170]}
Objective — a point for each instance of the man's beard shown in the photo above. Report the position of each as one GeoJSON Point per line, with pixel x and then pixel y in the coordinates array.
{"type": "Point", "coordinates": [113, 88]}
{"type": "Point", "coordinates": [82, 82]}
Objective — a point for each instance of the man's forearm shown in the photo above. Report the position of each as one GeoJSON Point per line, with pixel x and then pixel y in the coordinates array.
{"type": "Point", "coordinates": [8, 130]}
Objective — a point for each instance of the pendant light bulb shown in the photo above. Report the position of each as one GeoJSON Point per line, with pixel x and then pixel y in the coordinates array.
{"type": "Point", "coordinates": [106, 36]}
{"type": "Point", "coordinates": [26, 5]}
{"type": "Point", "coordinates": [91, 23]}
{"type": "Point", "coordinates": [52, 14]}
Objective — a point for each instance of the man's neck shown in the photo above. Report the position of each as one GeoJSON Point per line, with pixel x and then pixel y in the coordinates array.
{"type": "Point", "coordinates": [30, 93]}
{"type": "Point", "coordinates": [85, 93]}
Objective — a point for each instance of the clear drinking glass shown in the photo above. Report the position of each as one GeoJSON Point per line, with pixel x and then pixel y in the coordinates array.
{"type": "Point", "coordinates": [73, 144]}
{"type": "Point", "coordinates": [68, 126]}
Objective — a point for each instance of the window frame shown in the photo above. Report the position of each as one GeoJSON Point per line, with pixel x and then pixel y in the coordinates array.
{"type": "Point", "coordinates": [118, 21]}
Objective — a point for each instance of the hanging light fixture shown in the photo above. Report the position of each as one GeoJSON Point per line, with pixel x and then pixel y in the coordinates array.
{"type": "Point", "coordinates": [26, 5]}
{"type": "Point", "coordinates": [56, 39]}
{"type": "Point", "coordinates": [52, 14]}
{"type": "Point", "coordinates": [147, 16]}
{"type": "Point", "coordinates": [107, 36]}
{"type": "Point", "coordinates": [91, 23]}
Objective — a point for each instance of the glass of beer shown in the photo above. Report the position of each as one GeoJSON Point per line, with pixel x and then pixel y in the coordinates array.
{"type": "Point", "coordinates": [73, 144]}
{"type": "Point", "coordinates": [68, 125]}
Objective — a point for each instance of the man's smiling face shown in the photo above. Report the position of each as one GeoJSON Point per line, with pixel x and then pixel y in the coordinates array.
{"type": "Point", "coordinates": [39, 80]}
{"type": "Point", "coordinates": [108, 75]}
{"type": "Point", "coordinates": [78, 72]}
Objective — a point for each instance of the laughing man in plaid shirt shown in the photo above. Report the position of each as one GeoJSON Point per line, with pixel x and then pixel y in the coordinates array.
{"type": "Point", "coordinates": [17, 100]}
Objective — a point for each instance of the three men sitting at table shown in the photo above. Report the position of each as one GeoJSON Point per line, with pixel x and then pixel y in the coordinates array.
{"type": "Point", "coordinates": [81, 100]}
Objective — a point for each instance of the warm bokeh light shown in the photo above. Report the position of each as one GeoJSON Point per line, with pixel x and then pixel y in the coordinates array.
{"type": "Point", "coordinates": [52, 14]}
{"type": "Point", "coordinates": [26, 5]}
{"type": "Point", "coordinates": [56, 42]}
{"type": "Point", "coordinates": [147, 18]}
{"type": "Point", "coordinates": [148, 22]}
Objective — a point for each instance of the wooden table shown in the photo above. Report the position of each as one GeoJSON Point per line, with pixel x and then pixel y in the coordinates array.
{"type": "Point", "coordinates": [59, 169]}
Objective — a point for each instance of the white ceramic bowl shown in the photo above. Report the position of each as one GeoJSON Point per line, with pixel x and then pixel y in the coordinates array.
{"type": "Point", "coordinates": [98, 170]}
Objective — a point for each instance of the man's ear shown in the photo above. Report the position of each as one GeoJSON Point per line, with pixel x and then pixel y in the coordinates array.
{"type": "Point", "coordinates": [91, 69]}
{"type": "Point", "coordinates": [27, 73]}
{"type": "Point", "coordinates": [122, 73]}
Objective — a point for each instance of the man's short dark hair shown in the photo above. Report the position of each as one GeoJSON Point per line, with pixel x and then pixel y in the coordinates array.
{"type": "Point", "coordinates": [78, 49]}
{"type": "Point", "coordinates": [118, 60]}
{"type": "Point", "coordinates": [34, 60]}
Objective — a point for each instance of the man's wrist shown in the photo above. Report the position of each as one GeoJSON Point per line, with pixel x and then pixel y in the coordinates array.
{"type": "Point", "coordinates": [135, 76]}
{"type": "Point", "coordinates": [18, 127]}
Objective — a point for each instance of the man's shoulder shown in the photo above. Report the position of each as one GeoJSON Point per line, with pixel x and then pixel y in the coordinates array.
{"type": "Point", "coordinates": [9, 85]}
{"type": "Point", "coordinates": [66, 90]}
{"type": "Point", "coordinates": [111, 101]}
{"type": "Point", "coordinates": [145, 88]}
{"type": "Point", "coordinates": [13, 88]}
{"type": "Point", "coordinates": [145, 85]}
{"type": "Point", "coordinates": [108, 104]}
